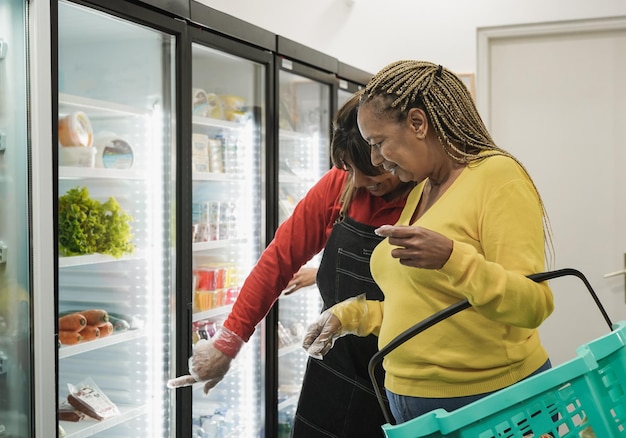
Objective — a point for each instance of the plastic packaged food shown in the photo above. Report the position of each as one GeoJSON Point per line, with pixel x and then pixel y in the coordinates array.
{"type": "Point", "coordinates": [200, 152]}
{"type": "Point", "coordinates": [75, 130]}
{"type": "Point", "coordinates": [89, 399]}
{"type": "Point", "coordinates": [67, 412]}
{"type": "Point", "coordinates": [113, 152]}
{"type": "Point", "coordinates": [233, 107]}
{"type": "Point", "coordinates": [76, 156]}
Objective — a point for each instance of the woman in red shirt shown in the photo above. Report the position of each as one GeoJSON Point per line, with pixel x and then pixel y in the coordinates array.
{"type": "Point", "coordinates": [338, 214]}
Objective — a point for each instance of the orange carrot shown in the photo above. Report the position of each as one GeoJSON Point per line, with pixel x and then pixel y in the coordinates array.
{"type": "Point", "coordinates": [105, 329]}
{"type": "Point", "coordinates": [95, 317]}
{"type": "Point", "coordinates": [72, 322]}
{"type": "Point", "coordinates": [69, 337]}
{"type": "Point", "coordinates": [90, 332]}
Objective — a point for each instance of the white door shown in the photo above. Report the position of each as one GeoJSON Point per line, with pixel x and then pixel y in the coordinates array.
{"type": "Point", "coordinates": [555, 96]}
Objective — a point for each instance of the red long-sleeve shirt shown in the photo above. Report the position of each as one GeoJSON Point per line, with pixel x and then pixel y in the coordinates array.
{"type": "Point", "coordinates": [297, 240]}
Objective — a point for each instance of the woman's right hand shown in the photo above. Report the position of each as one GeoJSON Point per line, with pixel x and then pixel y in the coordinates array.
{"type": "Point", "coordinates": [210, 361]}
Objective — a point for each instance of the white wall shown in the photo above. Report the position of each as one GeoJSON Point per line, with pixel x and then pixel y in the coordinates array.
{"type": "Point", "coordinates": [369, 34]}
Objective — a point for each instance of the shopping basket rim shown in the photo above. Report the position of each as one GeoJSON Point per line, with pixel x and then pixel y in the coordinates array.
{"type": "Point", "coordinates": [588, 356]}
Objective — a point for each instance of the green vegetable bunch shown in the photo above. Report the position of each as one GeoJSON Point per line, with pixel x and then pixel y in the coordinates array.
{"type": "Point", "coordinates": [87, 226]}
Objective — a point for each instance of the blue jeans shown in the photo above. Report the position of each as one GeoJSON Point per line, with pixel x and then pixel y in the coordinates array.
{"type": "Point", "coordinates": [405, 408]}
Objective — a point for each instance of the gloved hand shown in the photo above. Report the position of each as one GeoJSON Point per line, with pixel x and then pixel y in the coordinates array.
{"type": "Point", "coordinates": [211, 360]}
{"type": "Point", "coordinates": [339, 320]}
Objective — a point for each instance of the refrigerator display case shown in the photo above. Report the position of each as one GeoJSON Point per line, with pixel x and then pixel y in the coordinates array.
{"type": "Point", "coordinates": [349, 80]}
{"type": "Point", "coordinates": [16, 386]}
{"type": "Point", "coordinates": [116, 210]}
{"type": "Point", "coordinates": [150, 238]}
{"type": "Point", "coordinates": [229, 89]}
{"type": "Point", "coordinates": [306, 102]}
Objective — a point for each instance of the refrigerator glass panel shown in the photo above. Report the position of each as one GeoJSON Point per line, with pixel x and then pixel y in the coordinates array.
{"type": "Point", "coordinates": [304, 156]}
{"type": "Point", "coordinates": [228, 210]}
{"type": "Point", "coordinates": [15, 297]}
{"type": "Point", "coordinates": [343, 96]}
{"type": "Point", "coordinates": [116, 219]}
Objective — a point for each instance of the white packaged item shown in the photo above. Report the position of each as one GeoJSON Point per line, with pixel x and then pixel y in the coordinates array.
{"type": "Point", "coordinates": [200, 152]}
{"type": "Point", "coordinates": [113, 152]}
{"type": "Point", "coordinates": [77, 156]}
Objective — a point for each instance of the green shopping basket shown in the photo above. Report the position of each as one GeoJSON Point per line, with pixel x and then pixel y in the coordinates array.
{"type": "Point", "coordinates": [584, 397]}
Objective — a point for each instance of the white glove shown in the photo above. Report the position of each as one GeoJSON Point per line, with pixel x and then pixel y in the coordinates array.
{"type": "Point", "coordinates": [210, 361]}
{"type": "Point", "coordinates": [339, 320]}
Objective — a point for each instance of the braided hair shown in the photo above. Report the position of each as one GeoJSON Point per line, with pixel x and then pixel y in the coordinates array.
{"type": "Point", "coordinates": [449, 107]}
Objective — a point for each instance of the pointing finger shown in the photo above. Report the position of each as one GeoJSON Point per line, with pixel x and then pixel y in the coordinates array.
{"type": "Point", "coordinates": [181, 381]}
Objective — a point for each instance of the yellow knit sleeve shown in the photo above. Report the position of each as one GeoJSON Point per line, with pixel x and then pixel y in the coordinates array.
{"type": "Point", "coordinates": [359, 316]}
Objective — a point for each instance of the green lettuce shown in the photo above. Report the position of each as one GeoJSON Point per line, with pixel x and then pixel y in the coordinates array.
{"type": "Point", "coordinates": [87, 226]}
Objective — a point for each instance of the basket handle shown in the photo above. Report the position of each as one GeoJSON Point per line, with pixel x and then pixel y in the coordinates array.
{"type": "Point", "coordinates": [454, 309]}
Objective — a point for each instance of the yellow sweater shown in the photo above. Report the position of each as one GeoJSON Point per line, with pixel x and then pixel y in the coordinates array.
{"type": "Point", "coordinates": [493, 215]}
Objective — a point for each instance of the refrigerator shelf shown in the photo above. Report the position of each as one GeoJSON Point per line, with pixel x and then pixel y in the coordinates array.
{"type": "Point", "coordinates": [113, 339]}
{"type": "Point", "coordinates": [289, 401]}
{"type": "Point", "coordinates": [89, 426]}
{"type": "Point", "coordinates": [90, 259]}
{"type": "Point", "coordinates": [208, 314]}
{"type": "Point", "coordinates": [296, 179]}
{"type": "Point", "coordinates": [96, 107]}
{"type": "Point", "coordinates": [69, 172]}
{"type": "Point", "coordinates": [216, 176]}
{"type": "Point", "coordinates": [287, 135]}
{"type": "Point", "coordinates": [215, 244]}
{"type": "Point", "coordinates": [215, 123]}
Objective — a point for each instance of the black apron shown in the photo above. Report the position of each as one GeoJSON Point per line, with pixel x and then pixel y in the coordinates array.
{"type": "Point", "coordinates": [337, 399]}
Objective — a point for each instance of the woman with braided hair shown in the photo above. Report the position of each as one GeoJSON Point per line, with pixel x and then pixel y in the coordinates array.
{"type": "Point", "coordinates": [473, 228]}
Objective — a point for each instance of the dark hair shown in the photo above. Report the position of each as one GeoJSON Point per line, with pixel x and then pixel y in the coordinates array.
{"type": "Point", "coordinates": [347, 142]}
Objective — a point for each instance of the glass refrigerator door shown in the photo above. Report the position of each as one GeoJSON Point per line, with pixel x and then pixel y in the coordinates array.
{"type": "Point", "coordinates": [228, 152]}
{"type": "Point", "coordinates": [304, 129]}
{"type": "Point", "coordinates": [15, 297]}
{"type": "Point", "coordinates": [345, 93]}
{"type": "Point", "coordinates": [116, 207]}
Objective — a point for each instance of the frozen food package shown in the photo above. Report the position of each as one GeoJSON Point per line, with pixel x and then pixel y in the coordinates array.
{"type": "Point", "coordinates": [89, 399]}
